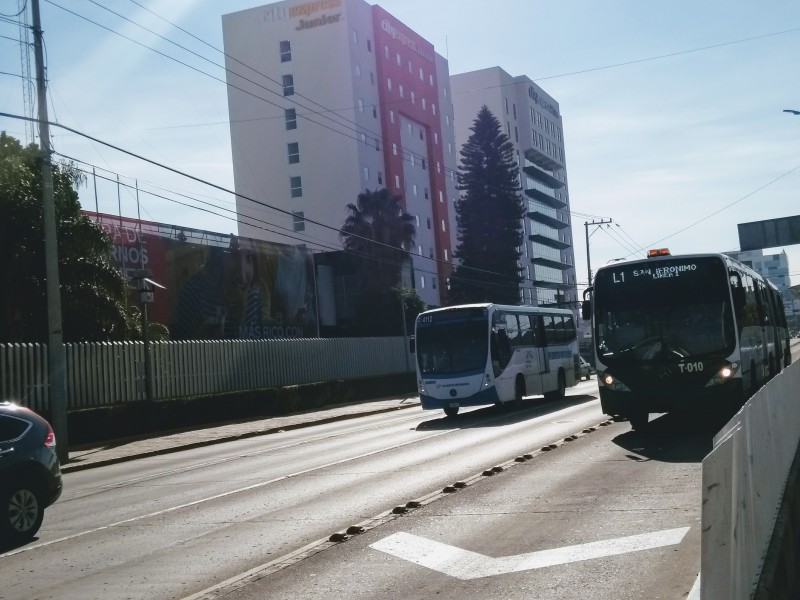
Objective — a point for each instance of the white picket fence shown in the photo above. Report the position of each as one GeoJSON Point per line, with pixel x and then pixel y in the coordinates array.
{"type": "Point", "coordinates": [101, 374]}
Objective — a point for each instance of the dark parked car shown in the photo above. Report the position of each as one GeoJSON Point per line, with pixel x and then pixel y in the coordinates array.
{"type": "Point", "coordinates": [30, 474]}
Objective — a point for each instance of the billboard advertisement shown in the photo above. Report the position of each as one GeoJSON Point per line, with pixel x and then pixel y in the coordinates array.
{"type": "Point", "coordinates": [217, 286]}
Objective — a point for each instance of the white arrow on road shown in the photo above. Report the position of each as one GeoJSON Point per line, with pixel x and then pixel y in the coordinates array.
{"type": "Point", "coordinates": [471, 565]}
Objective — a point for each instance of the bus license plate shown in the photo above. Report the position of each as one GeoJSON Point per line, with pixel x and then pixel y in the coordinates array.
{"type": "Point", "coordinates": [454, 405]}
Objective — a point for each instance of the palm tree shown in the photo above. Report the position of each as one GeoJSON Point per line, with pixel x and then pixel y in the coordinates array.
{"type": "Point", "coordinates": [380, 234]}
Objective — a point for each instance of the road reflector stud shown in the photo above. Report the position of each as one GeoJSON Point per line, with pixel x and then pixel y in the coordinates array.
{"type": "Point", "coordinates": [460, 484]}
{"type": "Point", "coordinates": [399, 510]}
{"type": "Point", "coordinates": [337, 537]}
{"type": "Point", "coordinates": [488, 473]}
{"type": "Point", "coordinates": [354, 530]}
{"type": "Point", "coordinates": [497, 469]}
{"type": "Point", "coordinates": [449, 489]}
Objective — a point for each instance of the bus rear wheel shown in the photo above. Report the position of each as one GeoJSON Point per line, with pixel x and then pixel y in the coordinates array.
{"type": "Point", "coordinates": [519, 390]}
{"type": "Point", "coordinates": [562, 387]}
{"type": "Point", "coordinates": [451, 411]}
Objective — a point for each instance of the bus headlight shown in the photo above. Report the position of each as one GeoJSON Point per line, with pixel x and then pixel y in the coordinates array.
{"type": "Point", "coordinates": [421, 386]}
{"type": "Point", "coordinates": [487, 380]}
{"type": "Point", "coordinates": [612, 383]}
{"type": "Point", "coordinates": [724, 374]}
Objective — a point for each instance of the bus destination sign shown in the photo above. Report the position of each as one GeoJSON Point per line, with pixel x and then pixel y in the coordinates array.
{"type": "Point", "coordinates": [647, 272]}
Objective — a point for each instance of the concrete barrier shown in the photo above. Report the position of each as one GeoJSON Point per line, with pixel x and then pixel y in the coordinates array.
{"type": "Point", "coordinates": [744, 487]}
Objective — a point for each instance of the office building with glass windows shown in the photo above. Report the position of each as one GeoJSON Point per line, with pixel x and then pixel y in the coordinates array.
{"type": "Point", "coordinates": [327, 99]}
{"type": "Point", "coordinates": [532, 120]}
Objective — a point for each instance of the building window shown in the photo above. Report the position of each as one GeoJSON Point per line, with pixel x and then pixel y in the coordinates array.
{"type": "Point", "coordinates": [433, 108]}
{"type": "Point", "coordinates": [374, 111]}
{"type": "Point", "coordinates": [436, 138]}
{"type": "Point", "coordinates": [364, 138]}
{"type": "Point", "coordinates": [293, 149]}
{"type": "Point", "coordinates": [286, 51]}
{"type": "Point", "coordinates": [372, 78]}
{"type": "Point", "coordinates": [415, 190]}
{"type": "Point", "coordinates": [296, 186]}
{"type": "Point", "coordinates": [422, 280]}
{"type": "Point", "coordinates": [377, 144]}
{"type": "Point", "coordinates": [369, 45]}
{"type": "Point", "coordinates": [361, 105]}
{"type": "Point", "coordinates": [355, 37]}
{"type": "Point", "coordinates": [391, 116]}
{"type": "Point", "coordinates": [397, 181]}
{"type": "Point", "coordinates": [430, 79]}
{"type": "Point", "coordinates": [299, 221]}
{"type": "Point", "coordinates": [423, 164]}
{"type": "Point", "coordinates": [366, 173]}
{"type": "Point", "coordinates": [421, 75]}
{"type": "Point", "coordinates": [398, 59]}
{"type": "Point", "coordinates": [433, 280]}
{"type": "Point", "coordinates": [389, 83]}
{"type": "Point", "coordinates": [441, 201]}
{"type": "Point", "coordinates": [358, 71]}
{"type": "Point", "coordinates": [416, 220]}
{"type": "Point", "coordinates": [447, 120]}
{"type": "Point", "coordinates": [291, 118]}
{"type": "Point", "coordinates": [444, 227]}
{"type": "Point", "coordinates": [410, 68]}
{"type": "Point", "coordinates": [445, 254]}
{"type": "Point", "coordinates": [426, 196]}
{"type": "Point", "coordinates": [413, 98]}
{"type": "Point", "coordinates": [288, 85]}
{"type": "Point", "coordinates": [423, 104]}
{"type": "Point", "coordinates": [394, 149]}
{"type": "Point", "coordinates": [429, 222]}
{"type": "Point", "coordinates": [505, 101]}
{"type": "Point", "coordinates": [419, 250]}
{"type": "Point", "coordinates": [386, 51]}
{"type": "Point", "coordinates": [400, 89]}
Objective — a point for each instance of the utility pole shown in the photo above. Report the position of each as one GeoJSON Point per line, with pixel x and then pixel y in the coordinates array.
{"type": "Point", "coordinates": [588, 259]}
{"type": "Point", "coordinates": [56, 355]}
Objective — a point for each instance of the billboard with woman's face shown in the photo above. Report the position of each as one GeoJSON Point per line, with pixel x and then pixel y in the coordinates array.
{"type": "Point", "coordinates": [217, 286]}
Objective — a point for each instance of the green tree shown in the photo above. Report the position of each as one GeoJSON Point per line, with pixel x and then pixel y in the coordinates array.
{"type": "Point", "coordinates": [93, 292]}
{"type": "Point", "coordinates": [489, 216]}
{"type": "Point", "coordinates": [379, 234]}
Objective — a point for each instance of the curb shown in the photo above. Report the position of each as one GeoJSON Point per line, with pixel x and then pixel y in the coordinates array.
{"type": "Point", "coordinates": [77, 466]}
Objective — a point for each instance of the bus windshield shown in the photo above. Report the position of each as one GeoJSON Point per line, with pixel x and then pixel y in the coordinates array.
{"type": "Point", "coordinates": [452, 342]}
{"type": "Point", "coordinates": [663, 312]}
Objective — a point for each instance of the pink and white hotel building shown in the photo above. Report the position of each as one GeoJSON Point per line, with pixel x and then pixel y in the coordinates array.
{"type": "Point", "coordinates": [328, 98]}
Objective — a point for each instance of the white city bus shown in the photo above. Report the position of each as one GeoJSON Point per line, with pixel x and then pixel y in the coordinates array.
{"type": "Point", "coordinates": [476, 354]}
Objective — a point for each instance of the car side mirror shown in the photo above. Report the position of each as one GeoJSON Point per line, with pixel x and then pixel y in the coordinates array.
{"type": "Point", "coordinates": [586, 310]}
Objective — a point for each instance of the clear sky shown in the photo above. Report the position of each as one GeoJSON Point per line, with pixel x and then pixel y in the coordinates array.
{"type": "Point", "coordinates": [673, 110]}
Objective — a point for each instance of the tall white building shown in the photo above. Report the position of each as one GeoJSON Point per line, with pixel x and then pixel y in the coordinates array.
{"type": "Point", "coordinates": [532, 120]}
{"type": "Point", "coordinates": [328, 98]}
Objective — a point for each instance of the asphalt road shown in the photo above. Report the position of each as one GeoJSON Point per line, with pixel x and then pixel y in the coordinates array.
{"type": "Point", "coordinates": [173, 525]}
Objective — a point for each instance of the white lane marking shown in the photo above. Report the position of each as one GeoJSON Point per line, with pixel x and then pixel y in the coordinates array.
{"type": "Point", "coordinates": [463, 564]}
{"type": "Point", "coordinates": [218, 496]}
{"type": "Point", "coordinates": [694, 594]}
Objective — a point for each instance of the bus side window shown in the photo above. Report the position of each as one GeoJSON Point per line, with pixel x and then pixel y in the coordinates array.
{"type": "Point", "coordinates": [526, 332]}
{"type": "Point", "coordinates": [539, 337]}
{"type": "Point", "coordinates": [512, 329]}
{"type": "Point", "coordinates": [569, 326]}
{"type": "Point", "coordinates": [549, 329]}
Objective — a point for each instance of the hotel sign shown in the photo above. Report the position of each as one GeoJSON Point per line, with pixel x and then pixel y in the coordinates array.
{"type": "Point", "coordinates": [543, 102]}
{"type": "Point", "coordinates": [304, 12]}
{"type": "Point", "coordinates": [406, 40]}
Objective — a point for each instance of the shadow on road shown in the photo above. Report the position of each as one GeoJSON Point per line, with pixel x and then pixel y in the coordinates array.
{"type": "Point", "coordinates": [504, 414]}
{"type": "Point", "coordinates": [677, 437]}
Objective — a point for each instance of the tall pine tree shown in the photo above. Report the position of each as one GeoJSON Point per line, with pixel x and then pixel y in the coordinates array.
{"type": "Point", "coordinates": [489, 216]}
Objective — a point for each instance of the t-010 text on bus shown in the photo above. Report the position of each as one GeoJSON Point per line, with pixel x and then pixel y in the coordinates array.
{"type": "Point", "coordinates": [699, 333]}
{"type": "Point", "coordinates": [478, 354]}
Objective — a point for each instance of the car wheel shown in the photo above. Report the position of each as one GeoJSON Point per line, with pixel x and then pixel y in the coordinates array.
{"type": "Point", "coordinates": [519, 390]}
{"type": "Point", "coordinates": [22, 511]}
{"type": "Point", "coordinates": [562, 387]}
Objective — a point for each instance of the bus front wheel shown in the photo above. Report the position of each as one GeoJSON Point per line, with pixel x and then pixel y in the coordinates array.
{"type": "Point", "coordinates": [638, 420]}
{"type": "Point", "coordinates": [451, 411]}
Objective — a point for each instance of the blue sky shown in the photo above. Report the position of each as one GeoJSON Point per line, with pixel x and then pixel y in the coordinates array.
{"type": "Point", "coordinates": [673, 119]}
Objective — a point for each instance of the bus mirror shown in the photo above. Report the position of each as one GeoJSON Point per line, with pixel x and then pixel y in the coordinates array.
{"type": "Point", "coordinates": [586, 310]}
{"type": "Point", "coordinates": [412, 345]}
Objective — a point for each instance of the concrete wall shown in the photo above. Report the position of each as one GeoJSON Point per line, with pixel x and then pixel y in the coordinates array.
{"type": "Point", "coordinates": [745, 489]}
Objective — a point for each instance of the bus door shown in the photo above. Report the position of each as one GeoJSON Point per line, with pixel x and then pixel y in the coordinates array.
{"type": "Point", "coordinates": [537, 353]}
